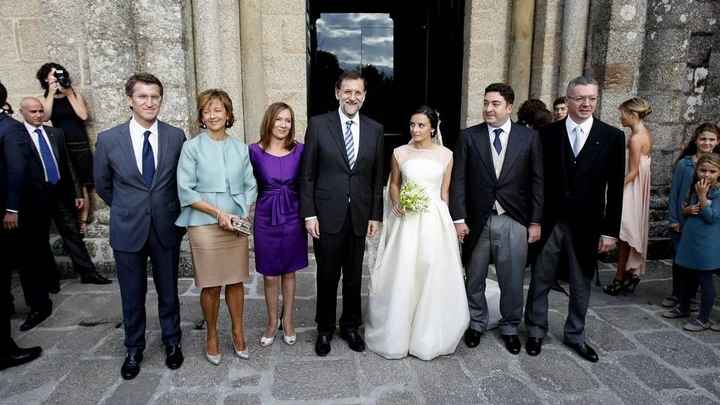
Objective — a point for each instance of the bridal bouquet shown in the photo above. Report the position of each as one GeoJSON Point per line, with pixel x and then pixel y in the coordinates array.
{"type": "Point", "coordinates": [413, 197]}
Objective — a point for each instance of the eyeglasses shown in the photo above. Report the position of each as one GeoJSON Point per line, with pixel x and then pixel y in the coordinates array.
{"type": "Point", "coordinates": [580, 99]}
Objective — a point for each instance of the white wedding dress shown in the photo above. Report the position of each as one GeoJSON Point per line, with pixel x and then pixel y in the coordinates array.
{"type": "Point", "coordinates": [417, 302]}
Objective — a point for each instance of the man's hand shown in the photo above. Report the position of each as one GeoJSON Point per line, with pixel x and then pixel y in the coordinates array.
{"type": "Point", "coordinates": [79, 203]}
{"type": "Point", "coordinates": [534, 233]}
{"type": "Point", "coordinates": [462, 231]}
{"type": "Point", "coordinates": [10, 221]}
{"type": "Point", "coordinates": [312, 226]}
{"type": "Point", "coordinates": [606, 244]}
{"type": "Point", "coordinates": [373, 227]}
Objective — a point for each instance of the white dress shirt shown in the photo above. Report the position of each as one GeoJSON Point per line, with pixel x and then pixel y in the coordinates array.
{"type": "Point", "coordinates": [34, 136]}
{"type": "Point", "coordinates": [355, 129]}
{"type": "Point", "coordinates": [585, 128]}
{"type": "Point", "coordinates": [498, 159]}
{"type": "Point", "coordinates": [138, 139]}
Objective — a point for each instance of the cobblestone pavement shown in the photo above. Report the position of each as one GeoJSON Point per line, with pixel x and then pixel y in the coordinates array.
{"type": "Point", "coordinates": [644, 359]}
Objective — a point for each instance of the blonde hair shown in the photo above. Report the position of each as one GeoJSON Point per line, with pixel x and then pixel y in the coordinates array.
{"type": "Point", "coordinates": [637, 105]}
{"type": "Point", "coordinates": [209, 95]}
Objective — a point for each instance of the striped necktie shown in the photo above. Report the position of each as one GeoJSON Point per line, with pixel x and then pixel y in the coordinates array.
{"type": "Point", "coordinates": [349, 145]}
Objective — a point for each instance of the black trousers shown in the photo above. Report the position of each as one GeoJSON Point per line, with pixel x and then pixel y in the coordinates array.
{"type": "Point", "coordinates": [36, 274]}
{"type": "Point", "coordinates": [6, 343]}
{"type": "Point", "coordinates": [132, 277]}
{"type": "Point", "coordinates": [339, 253]}
{"type": "Point", "coordinates": [66, 222]}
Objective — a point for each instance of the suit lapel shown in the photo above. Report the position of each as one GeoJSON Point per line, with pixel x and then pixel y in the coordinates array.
{"type": "Point", "coordinates": [127, 151]}
{"type": "Point", "coordinates": [482, 144]}
{"type": "Point", "coordinates": [514, 145]}
{"type": "Point", "coordinates": [160, 156]}
{"type": "Point", "coordinates": [53, 145]}
{"type": "Point", "coordinates": [364, 144]}
{"type": "Point", "coordinates": [591, 147]}
{"type": "Point", "coordinates": [335, 131]}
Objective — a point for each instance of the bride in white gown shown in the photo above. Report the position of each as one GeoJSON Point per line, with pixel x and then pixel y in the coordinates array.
{"type": "Point", "coordinates": [417, 302]}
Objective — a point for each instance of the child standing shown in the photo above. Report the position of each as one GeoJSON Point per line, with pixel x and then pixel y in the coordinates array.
{"type": "Point", "coordinates": [697, 251]}
{"type": "Point", "coordinates": [704, 140]}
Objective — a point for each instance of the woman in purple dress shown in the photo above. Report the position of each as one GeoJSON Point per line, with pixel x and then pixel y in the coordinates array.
{"type": "Point", "coordinates": [280, 238]}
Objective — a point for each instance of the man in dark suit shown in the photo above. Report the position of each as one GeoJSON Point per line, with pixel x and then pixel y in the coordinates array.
{"type": "Point", "coordinates": [496, 204]}
{"type": "Point", "coordinates": [11, 133]}
{"type": "Point", "coordinates": [341, 201]}
{"type": "Point", "coordinates": [585, 158]}
{"type": "Point", "coordinates": [135, 174]}
{"type": "Point", "coordinates": [46, 181]}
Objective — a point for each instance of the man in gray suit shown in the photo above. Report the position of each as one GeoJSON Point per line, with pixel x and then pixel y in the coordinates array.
{"type": "Point", "coordinates": [135, 174]}
{"type": "Point", "coordinates": [496, 203]}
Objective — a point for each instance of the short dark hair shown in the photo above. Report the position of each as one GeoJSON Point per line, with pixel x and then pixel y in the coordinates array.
{"type": "Point", "coordinates": [146, 78]}
{"type": "Point", "coordinates": [3, 94]}
{"type": "Point", "coordinates": [350, 75]}
{"type": "Point", "coordinates": [505, 90]}
{"type": "Point", "coordinates": [431, 114]}
{"type": "Point", "coordinates": [559, 100]}
{"type": "Point", "coordinates": [44, 71]}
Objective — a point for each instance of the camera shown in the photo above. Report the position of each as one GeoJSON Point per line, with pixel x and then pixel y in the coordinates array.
{"type": "Point", "coordinates": [63, 78]}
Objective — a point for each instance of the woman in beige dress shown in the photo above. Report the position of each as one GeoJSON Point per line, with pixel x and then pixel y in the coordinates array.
{"type": "Point", "coordinates": [216, 188]}
{"type": "Point", "coordinates": [632, 244]}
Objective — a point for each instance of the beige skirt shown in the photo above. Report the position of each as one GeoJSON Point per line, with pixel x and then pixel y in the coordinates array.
{"type": "Point", "coordinates": [219, 257]}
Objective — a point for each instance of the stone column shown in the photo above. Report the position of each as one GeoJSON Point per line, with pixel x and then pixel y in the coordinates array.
{"type": "Point", "coordinates": [522, 40]}
{"type": "Point", "coordinates": [218, 56]}
{"type": "Point", "coordinates": [164, 50]}
{"type": "Point", "coordinates": [574, 32]}
{"type": "Point", "coordinates": [253, 72]}
{"type": "Point", "coordinates": [487, 28]}
{"type": "Point", "coordinates": [546, 50]}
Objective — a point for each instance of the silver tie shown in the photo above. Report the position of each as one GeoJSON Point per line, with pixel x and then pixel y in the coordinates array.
{"type": "Point", "coordinates": [349, 146]}
{"type": "Point", "coordinates": [577, 132]}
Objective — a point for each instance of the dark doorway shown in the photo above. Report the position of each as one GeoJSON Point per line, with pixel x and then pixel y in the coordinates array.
{"type": "Point", "coordinates": [410, 54]}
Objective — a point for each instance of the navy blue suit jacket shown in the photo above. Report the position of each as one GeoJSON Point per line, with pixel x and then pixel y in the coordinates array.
{"type": "Point", "coordinates": [133, 205]}
{"type": "Point", "coordinates": [11, 132]}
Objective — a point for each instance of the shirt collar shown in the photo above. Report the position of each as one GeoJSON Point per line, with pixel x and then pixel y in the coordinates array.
{"type": "Point", "coordinates": [139, 129]}
{"type": "Point", "coordinates": [505, 127]}
{"type": "Point", "coordinates": [31, 128]}
{"type": "Point", "coordinates": [344, 118]}
{"type": "Point", "coordinates": [586, 126]}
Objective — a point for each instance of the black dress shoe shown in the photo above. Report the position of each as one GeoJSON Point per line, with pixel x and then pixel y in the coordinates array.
{"type": "Point", "coordinates": [533, 346]}
{"type": "Point", "coordinates": [472, 337]}
{"type": "Point", "coordinates": [94, 278]}
{"type": "Point", "coordinates": [18, 356]}
{"type": "Point", "coordinates": [322, 345]}
{"type": "Point", "coordinates": [173, 357]}
{"type": "Point", "coordinates": [131, 366]}
{"type": "Point", "coordinates": [34, 318]}
{"type": "Point", "coordinates": [353, 339]}
{"type": "Point", "coordinates": [584, 350]}
{"type": "Point", "coordinates": [512, 343]}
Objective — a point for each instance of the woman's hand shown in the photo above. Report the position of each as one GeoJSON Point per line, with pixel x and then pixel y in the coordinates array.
{"type": "Point", "coordinates": [691, 210]}
{"type": "Point", "coordinates": [397, 210]}
{"type": "Point", "coordinates": [675, 228]}
{"type": "Point", "coordinates": [225, 221]}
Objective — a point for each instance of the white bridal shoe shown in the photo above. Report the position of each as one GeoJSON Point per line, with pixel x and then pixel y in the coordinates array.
{"type": "Point", "coordinates": [214, 359]}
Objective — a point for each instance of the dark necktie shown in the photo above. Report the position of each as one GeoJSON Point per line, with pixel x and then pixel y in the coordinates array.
{"type": "Point", "coordinates": [51, 170]}
{"type": "Point", "coordinates": [496, 143]}
{"type": "Point", "coordinates": [148, 160]}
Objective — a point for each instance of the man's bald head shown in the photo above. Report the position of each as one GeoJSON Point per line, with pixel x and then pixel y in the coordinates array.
{"type": "Point", "coordinates": [32, 110]}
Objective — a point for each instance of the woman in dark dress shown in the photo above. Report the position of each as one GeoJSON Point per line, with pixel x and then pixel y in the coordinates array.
{"type": "Point", "coordinates": [280, 238]}
{"type": "Point", "coordinates": [66, 108]}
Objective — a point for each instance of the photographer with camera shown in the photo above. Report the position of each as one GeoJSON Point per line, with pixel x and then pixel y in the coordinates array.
{"type": "Point", "coordinates": [66, 108]}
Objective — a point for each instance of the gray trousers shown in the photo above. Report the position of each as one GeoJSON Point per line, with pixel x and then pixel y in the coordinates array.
{"type": "Point", "coordinates": [503, 241]}
{"type": "Point", "coordinates": [543, 278]}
